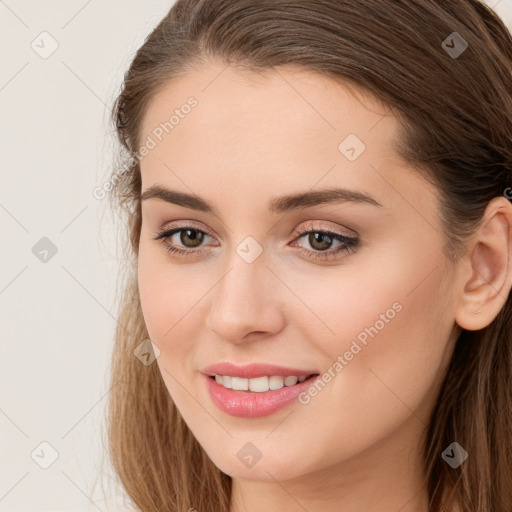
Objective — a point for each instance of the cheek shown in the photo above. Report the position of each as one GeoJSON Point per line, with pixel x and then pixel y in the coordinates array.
{"type": "Point", "coordinates": [164, 305]}
{"type": "Point", "coordinates": [391, 338]}
{"type": "Point", "coordinates": [162, 296]}
{"type": "Point", "coordinates": [154, 303]}
{"type": "Point", "coordinates": [389, 335]}
{"type": "Point", "coordinates": [172, 304]}
{"type": "Point", "coordinates": [165, 291]}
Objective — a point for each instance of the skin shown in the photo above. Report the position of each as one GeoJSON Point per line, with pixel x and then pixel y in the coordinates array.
{"type": "Point", "coordinates": [253, 137]}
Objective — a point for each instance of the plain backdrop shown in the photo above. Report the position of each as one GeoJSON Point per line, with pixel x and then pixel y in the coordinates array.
{"type": "Point", "coordinates": [62, 65]}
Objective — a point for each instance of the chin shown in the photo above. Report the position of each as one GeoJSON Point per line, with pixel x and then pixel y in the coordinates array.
{"type": "Point", "coordinates": [267, 469]}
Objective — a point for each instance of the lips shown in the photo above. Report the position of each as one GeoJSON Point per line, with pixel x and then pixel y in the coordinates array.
{"type": "Point", "coordinates": [254, 370]}
{"type": "Point", "coordinates": [248, 404]}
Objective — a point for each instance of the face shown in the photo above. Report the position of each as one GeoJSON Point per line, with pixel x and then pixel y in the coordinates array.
{"type": "Point", "coordinates": [355, 290]}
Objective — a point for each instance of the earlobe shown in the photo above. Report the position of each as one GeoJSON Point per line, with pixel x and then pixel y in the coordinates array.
{"type": "Point", "coordinates": [486, 278]}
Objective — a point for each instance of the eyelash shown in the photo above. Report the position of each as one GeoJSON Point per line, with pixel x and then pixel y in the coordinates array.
{"type": "Point", "coordinates": [349, 246]}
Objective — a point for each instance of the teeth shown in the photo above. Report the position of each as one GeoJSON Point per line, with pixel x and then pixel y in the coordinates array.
{"type": "Point", "coordinates": [258, 384]}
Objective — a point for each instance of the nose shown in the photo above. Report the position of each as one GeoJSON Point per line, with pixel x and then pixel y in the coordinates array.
{"type": "Point", "coordinates": [246, 302]}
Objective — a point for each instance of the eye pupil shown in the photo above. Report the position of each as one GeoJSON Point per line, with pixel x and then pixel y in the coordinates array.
{"type": "Point", "coordinates": [196, 237]}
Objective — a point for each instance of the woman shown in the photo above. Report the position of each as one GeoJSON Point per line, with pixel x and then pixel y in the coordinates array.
{"type": "Point", "coordinates": [316, 312]}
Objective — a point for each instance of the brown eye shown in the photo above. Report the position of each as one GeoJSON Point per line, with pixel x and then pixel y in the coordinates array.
{"type": "Point", "coordinates": [189, 241]}
{"type": "Point", "coordinates": [191, 237]}
{"type": "Point", "coordinates": [319, 241]}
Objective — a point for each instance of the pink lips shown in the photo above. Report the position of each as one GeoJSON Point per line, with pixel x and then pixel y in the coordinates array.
{"type": "Point", "coordinates": [252, 371]}
{"type": "Point", "coordinates": [249, 404]}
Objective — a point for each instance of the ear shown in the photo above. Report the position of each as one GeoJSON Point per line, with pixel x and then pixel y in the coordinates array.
{"type": "Point", "coordinates": [486, 276]}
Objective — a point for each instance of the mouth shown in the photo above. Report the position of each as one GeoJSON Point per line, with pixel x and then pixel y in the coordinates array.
{"type": "Point", "coordinates": [262, 384]}
{"type": "Point", "coordinates": [255, 398]}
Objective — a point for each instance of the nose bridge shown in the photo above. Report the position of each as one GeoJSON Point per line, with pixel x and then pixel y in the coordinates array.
{"type": "Point", "coordinates": [244, 300]}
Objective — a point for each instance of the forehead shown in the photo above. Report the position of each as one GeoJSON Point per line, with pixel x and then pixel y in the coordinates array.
{"type": "Point", "coordinates": [287, 100]}
{"type": "Point", "coordinates": [256, 135]}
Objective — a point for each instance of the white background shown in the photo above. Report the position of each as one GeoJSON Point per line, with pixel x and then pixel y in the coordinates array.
{"type": "Point", "coordinates": [58, 318]}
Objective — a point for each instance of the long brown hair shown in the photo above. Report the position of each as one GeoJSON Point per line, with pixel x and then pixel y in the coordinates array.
{"type": "Point", "coordinates": [455, 113]}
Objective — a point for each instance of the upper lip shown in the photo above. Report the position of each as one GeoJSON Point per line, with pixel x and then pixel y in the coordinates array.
{"type": "Point", "coordinates": [254, 370]}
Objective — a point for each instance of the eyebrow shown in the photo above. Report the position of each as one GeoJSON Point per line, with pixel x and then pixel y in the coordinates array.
{"type": "Point", "coordinates": [277, 205]}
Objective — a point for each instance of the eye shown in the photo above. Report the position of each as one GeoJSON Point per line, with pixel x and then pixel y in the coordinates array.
{"type": "Point", "coordinates": [319, 239]}
{"type": "Point", "coordinates": [190, 237]}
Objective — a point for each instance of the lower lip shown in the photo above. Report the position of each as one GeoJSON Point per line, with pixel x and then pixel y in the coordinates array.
{"type": "Point", "coordinates": [250, 404]}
